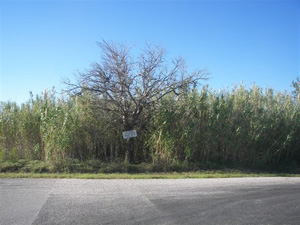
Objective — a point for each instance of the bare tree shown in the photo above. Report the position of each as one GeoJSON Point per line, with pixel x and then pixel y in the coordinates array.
{"type": "Point", "coordinates": [296, 86]}
{"type": "Point", "coordinates": [131, 87]}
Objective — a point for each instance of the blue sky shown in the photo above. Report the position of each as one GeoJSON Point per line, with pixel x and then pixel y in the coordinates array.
{"type": "Point", "coordinates": [237, 41]}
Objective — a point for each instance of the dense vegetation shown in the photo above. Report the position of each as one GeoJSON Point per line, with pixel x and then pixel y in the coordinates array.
{"type": "Point", "coordinates": [251, 127]}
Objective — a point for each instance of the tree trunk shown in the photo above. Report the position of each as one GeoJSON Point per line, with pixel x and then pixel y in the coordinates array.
{"type": "Point", "coordinates": [111, 152]}
{"type": "Point", "coordinates": [129, 152]}
{"type": "Point", "coordinates": [129, 143]}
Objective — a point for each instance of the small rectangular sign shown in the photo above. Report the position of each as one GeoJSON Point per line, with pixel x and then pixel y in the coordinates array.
{"type": "Point", "coordinates": [129, 134]}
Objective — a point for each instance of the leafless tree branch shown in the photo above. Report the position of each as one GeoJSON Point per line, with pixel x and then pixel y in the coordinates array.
{"type": "Point", "coordinates": [128, 88]}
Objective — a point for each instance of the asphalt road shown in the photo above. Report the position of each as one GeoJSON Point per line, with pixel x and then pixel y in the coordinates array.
{"type": "Point", "coordinates": [183, 201]}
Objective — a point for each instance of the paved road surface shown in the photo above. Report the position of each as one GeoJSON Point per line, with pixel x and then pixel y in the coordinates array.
{"type": "Point", "coordinates": [187, 201]}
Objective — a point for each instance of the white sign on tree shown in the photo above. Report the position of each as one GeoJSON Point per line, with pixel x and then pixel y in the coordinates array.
{"type": "Point", "coordinates": [129, 134]}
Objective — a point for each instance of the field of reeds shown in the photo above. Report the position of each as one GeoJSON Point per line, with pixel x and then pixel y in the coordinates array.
{"type": "Point", "coordinates": [239, 127]}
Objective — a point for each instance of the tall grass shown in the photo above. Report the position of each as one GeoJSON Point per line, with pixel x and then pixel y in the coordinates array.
{"type": "Point", "coordinates": [254, 127]}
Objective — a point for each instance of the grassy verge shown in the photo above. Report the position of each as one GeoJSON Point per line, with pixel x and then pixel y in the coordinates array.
{"type": "Point", "coordinates": [174, 175]}
{"type": "Point", "coordinates": [94, 169]}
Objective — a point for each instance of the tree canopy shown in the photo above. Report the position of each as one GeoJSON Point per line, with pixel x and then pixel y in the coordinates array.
{"type": "Point", "coordinates": [130, 87]}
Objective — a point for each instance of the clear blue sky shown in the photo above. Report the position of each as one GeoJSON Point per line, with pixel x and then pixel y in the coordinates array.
{"type": "Point", "coordinates": [251, 41]}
